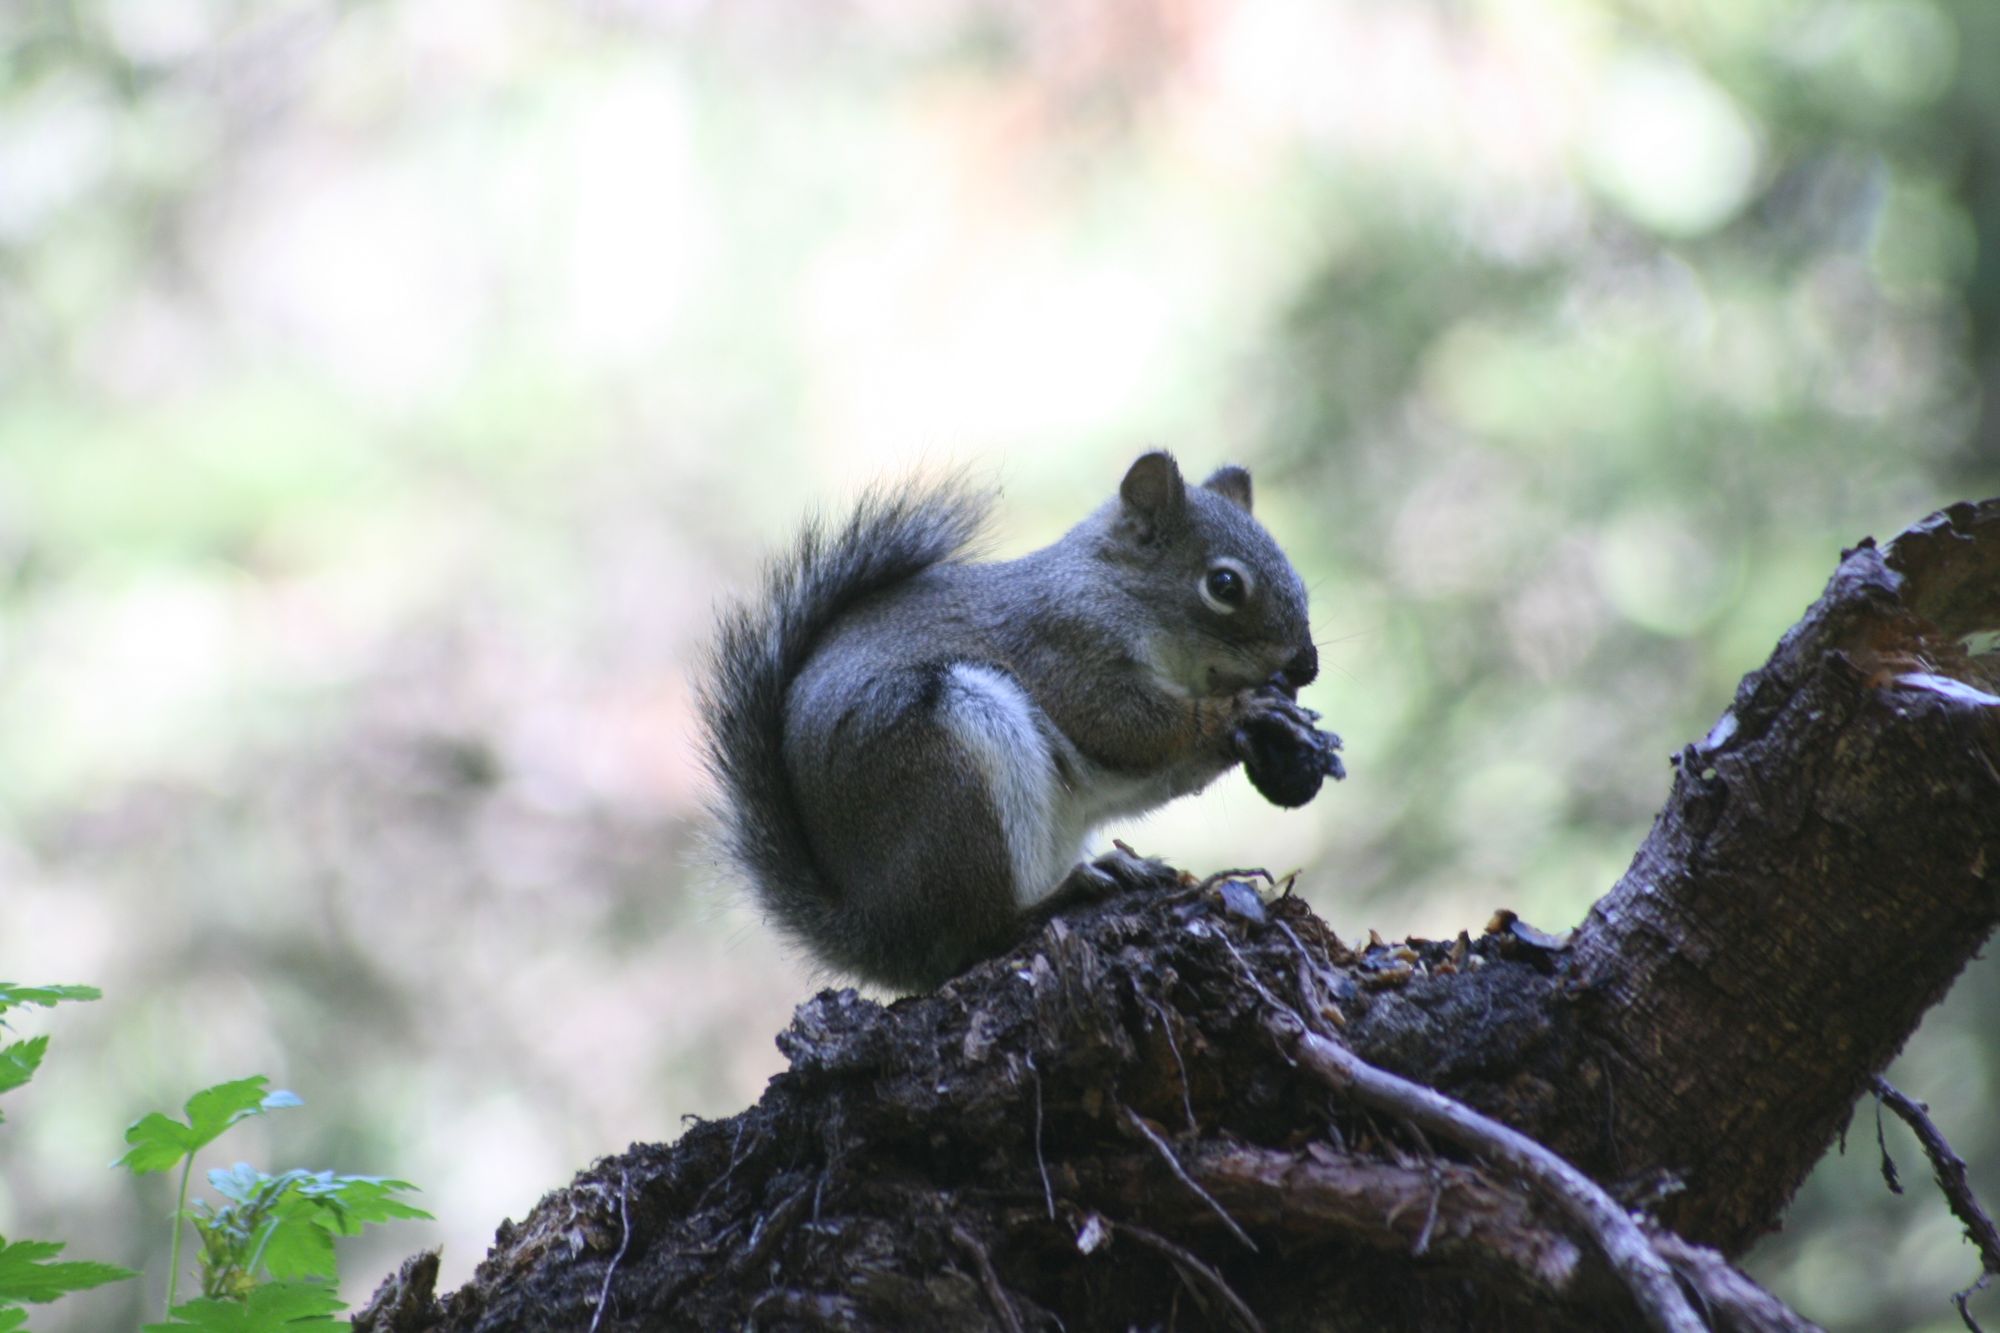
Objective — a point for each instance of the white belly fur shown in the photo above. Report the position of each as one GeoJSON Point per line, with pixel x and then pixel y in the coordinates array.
{"type": "Point", "coordinates": [993, 718]}
{"type": "Point", "coordinates": [1046, 822]}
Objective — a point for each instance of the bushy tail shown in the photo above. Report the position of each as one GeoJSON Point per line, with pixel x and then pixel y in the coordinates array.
{"type": "Point", "coordinates": [760, 647]}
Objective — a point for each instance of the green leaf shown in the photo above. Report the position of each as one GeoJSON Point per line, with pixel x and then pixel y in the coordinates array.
{"type": "Point", "coordinates": [273, 1306]}
{"type": "Point", "coordinates": [27, 1272]}
{"type": "Point", "coordinates": [213, 1110]}
{"type": "Point", "coordinates": [244, 1183]}
{"type": "Point", "coordinates": [160, 1142]}
{"type": "Point", "coordinates": [298, 1247]}
{"type": "Point", "coordinates": [350, 1202]}
{"type": "Point", "coordinates": [19, 1061]}
{"type": "Point", "coordinates": [13, 1320]}
{"type": "Point", "coordinates": [46, 996]}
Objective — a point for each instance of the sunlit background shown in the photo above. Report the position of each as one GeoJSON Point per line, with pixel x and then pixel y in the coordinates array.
{"type": "Point", "coordinates": [389, 391]}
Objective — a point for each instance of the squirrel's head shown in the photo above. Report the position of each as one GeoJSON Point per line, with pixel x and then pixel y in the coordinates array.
{"type": "Point", "coordinates": [1233, 610]}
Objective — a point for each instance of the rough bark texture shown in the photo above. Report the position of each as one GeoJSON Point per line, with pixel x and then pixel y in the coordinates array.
{"type": "Point", "coordinates": [1102, 1131]}
{"type": "Point", "coordinates": [1826, 865]}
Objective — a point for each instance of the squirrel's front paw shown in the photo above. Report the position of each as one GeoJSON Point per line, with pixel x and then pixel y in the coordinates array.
{"type": "Point", "coordinates": [1286, 756]}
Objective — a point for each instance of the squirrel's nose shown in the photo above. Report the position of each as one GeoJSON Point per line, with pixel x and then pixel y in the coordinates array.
{"type": "Point", "coordinates": [1299, 672]}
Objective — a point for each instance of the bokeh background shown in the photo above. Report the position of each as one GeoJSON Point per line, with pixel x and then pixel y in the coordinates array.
{"type": "Point", "coordinates": [390, 390]}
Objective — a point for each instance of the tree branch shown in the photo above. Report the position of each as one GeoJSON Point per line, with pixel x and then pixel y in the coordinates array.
{"type": "Point", "coordinates": [1610, 1228]}
{"type": "Point", "coordinates": [1839, 825]}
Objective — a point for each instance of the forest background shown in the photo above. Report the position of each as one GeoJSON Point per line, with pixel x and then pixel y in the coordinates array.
{"type": "Point", "coordinates": [389, 392]}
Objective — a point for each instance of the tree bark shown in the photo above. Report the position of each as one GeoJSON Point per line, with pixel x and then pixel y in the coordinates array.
{"type": "Point", "coordinates": [1138, 1119]}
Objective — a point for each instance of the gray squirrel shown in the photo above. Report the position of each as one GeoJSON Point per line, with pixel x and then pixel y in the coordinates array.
{"type": "Point", "coordinates": [910, 748]}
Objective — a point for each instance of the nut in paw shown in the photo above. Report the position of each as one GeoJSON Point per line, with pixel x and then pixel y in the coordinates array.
{"type": "Point", "coordinates": [1285, 755]}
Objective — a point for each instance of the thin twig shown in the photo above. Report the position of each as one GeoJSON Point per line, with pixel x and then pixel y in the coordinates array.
{"type": "Point", "coordinates": [1250, 975]}
{"type": "Point", "coordinates": [1430, 1215]}
{"type": "Point", "coordinates": [1979, 753]}
{"type": "Point", "coordinates": [1003, 1306]}
{"type": "Point", "coordinates": [1949, 1170]}
{"type": "Point", "coordinates": [1241, 872]}
{"type": "Point", "coordinates": [1889, 1176]}
{"type": "Point", "coordinates": [1611, 1119]}
{"type": "Point", "coordinates": [1187, 1098]}
{"type": "Point", "coordinates": [624, 1239]}
{"type": "Point", "coordinates": [1188, 1263]}
{"type": "Point", "coordinates": [1311, 976]}
{"type": "Point", "coordinates": [1312, 964]}
{"type": "Point", "coordinates": [1048, 1193]}
{"type": "Point", "coordinates": [735, 1160]}
{"type": "Point", "coordinates": [1315, 964]}
{"type": "Point", "coordinates": [1961, 1299]}
{"type": "Point", "coordinates": [1617, 1236]}
{"type": "Point", "coordinates": [1138, 1122]}
{"type": "Point", "coordinates": [769, 1229]}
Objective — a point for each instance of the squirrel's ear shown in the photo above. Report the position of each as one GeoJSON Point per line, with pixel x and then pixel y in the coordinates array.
{"type": "Point", "coordinates": [1232, 484]}
{"type": "Point", "coordinates": [1153, 492]}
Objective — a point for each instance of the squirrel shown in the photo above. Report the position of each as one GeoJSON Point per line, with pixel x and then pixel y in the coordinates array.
{"type": "Point", "coordinates": [910, 748]}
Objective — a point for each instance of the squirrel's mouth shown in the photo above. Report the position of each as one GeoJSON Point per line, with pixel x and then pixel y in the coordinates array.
{"type": "Point", "coordinates": [1287, 671]}
{"type": "Point", "coordinates": [1222, 682]}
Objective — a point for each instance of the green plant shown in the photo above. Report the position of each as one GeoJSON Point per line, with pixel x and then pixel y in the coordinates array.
{"type": "Point", "coordinates": [282, 1225]}
{"type": "Point", "coordinates": [160, 1142]}
{"type": "Point", "coordinates": [261, 1309]}
{"type": "Point", "coordinates": [286, 1223]}
{"type": "Point", "coordinates": [30, 1272]}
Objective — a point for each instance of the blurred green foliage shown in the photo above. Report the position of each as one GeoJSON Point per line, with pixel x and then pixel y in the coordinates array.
{"type": "Point", "coordinates": [32, 1271]}
{"type": "Point", "coordinates": [387, 392]}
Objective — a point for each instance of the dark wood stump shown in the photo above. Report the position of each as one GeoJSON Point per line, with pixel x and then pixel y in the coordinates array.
{"type": "Point", "coordinates": [1103, 1129]}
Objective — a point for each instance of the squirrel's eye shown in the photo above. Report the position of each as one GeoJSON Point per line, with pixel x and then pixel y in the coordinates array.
{"type": "Point", "coordinates": [1225, 586]}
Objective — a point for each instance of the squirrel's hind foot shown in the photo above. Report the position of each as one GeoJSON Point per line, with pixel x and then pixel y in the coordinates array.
{"type": "Point", "coordinates": [1117, 872]}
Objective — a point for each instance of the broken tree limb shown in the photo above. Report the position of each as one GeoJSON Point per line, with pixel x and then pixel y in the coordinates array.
{"type": "Point", "coordinates": [1825, 865]}
{"type": "Point", "coordinates": [1612, 1230]}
